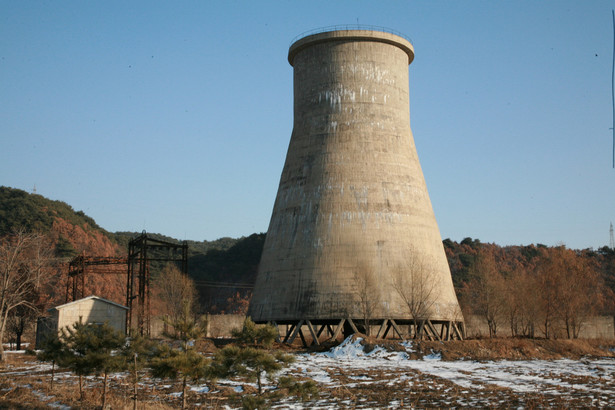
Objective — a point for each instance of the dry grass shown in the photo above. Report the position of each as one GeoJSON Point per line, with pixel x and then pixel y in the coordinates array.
{"type": "Point", "coordinates": [519, 349]}
{"type": "Point", "coordinates": [509, 348]}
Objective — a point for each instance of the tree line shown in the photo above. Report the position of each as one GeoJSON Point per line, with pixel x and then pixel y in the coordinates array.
{"type": "Point", "coordinates": [534, 291]}
{"type": "Point", "coordinates": [487, 277]}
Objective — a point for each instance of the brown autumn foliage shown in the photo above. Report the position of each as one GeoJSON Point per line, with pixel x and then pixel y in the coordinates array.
{"type": "Point", "coordinates": [171, 291]}
{"type": "Point", "coordinates": [536, 291]}
{"type": "Point", "coordinates": [571, 291]}
{"type": "Point", "coordinates": [485, 290]}
{"type": "Point", "coordinates": [52, 288]}
{"type": "Point", "coordinates": [238, 304]}
{"type": "Point", "coordinates": [84, 239]}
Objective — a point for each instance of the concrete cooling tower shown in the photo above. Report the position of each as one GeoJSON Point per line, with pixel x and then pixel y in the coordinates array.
{"type": "Point", "coordinates": [353, 244]}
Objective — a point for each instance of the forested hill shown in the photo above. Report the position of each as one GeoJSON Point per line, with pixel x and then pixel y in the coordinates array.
{"type": "Point", "coordinates": [73, 231]}
{"type": "Point", "coordinates": [70, 231]}
{"type": "Point", "coordinates": [518, 260]}
{"type": "Point", "coordinates": [216, 265]}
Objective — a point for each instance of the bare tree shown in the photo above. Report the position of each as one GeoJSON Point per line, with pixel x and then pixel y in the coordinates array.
{"type": "Point", "coordinates": [521, 307]}
{"type": "Point", "coordinates": [571, 291]}
{"type": "Point", "coordinates": [367, 295]}
{"type": "Point", "coordinates": [415, 283]}
{"type": "Point", "coordinates": [174, 291]}
{"type": "Point", "coordinates": [485, 290]}
{"type": "Point", "coordinates": [24, 260]}
{"type": "Point", "coordinates": [590, 294]}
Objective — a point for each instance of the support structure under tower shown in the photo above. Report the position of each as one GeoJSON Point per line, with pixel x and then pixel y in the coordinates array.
{"type": "Point", "coordinates": [316, 332]}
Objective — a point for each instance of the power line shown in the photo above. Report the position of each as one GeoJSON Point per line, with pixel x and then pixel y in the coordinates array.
{"type": "Point", "coordinates": [212, 284]}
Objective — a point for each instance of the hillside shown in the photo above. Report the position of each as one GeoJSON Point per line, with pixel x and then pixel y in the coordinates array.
{"type": "Point", "coordinates": [217, 265]}
{"type": "Point", "coordinates": [462, 257]}
{"type": "Point", "coordinates": [72, 233]}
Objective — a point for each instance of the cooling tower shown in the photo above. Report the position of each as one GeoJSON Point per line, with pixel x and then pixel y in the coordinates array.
{"type": "Point", "coordinates": [353, 242]}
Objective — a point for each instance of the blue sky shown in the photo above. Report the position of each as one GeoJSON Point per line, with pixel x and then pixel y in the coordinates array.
{"type": "Point", "coordinates": [175, 117]}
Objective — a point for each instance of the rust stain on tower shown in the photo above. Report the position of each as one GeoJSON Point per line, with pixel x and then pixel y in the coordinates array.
{"type": "Point", "coordinates": [353, 242]}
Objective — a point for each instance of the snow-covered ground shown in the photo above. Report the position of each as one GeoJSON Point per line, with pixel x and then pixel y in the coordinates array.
{"type": "Point", "coordinates": [350, 377]}
{"type": "Point", "coordinates": [347, 366]}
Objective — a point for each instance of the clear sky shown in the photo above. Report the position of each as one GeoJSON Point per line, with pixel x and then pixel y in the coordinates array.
{"type": "Point", "coordinates": [175, 116]}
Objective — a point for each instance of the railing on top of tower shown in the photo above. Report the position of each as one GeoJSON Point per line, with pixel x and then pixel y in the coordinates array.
{"type": "Point", "coordinates": [349, 27]}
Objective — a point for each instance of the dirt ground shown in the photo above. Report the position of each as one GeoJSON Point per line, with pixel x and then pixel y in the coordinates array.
{"type": "Point", "coordinates": [24, 382]}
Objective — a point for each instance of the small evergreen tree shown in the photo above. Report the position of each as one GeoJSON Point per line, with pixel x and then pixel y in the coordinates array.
{"type": "Point", "coordinates": [185, 328]}
{"type": "Point", "coordinates": [91, 350]}
{"type": "Point", "coordinates": [184, 363]}
{"type": "Point", "coordinates": [137, 354]}
{"type": "Point", "coordinates": [253, 361]}
{"type": "Point", "coordinates": [304, 390]}
{"type": "Point", "coordinates": [53, 350]}
{"type": "Point", "coordinates": [251, 334]}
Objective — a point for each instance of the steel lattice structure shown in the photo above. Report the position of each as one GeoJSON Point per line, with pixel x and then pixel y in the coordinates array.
{"type": "Point", "coordinates": [81, 265]}
{"type": "Point", "coordinates": [142, 250]}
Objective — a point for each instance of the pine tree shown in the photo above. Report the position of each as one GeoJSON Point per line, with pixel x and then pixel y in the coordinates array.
{"type": "Point", "coordinates": [53, 350]}
{"type": "Point", "coordinates": [251, 334]}
{"type": "Point", "coordinates": [253, 360]}
{"type": "Point", "coordinates": [251, 363]}
{"type": "Point", "coordinates": [91, 349]}
{"type": "Point", "coordinates": [184, 363]}
{"type": "Point", "coordinates": [186, 328]}
{"type": "Point", "coordinates": [137, 354]}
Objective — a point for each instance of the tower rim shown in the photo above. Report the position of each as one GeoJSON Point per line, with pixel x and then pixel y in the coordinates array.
{"type": "Point", "coordinates": [351, 35]}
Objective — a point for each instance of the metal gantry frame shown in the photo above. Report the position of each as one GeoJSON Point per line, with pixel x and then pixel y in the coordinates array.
{"type": "Point", "coordinates": [81, 265]}
{"type": "Point", "coordinates": [141, 251]}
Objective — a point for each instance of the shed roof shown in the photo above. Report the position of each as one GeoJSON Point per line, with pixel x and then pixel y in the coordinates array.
{"type": "Point", "coordinates": [87, 298]}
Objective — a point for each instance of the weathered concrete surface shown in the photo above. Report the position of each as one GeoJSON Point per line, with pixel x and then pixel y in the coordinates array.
{"type": "Point", "coordinates": [222, 326]}
{"type": "Point", "coordinates": [92, 309]}
{"type": "Point", "coordinates": [352, 201]}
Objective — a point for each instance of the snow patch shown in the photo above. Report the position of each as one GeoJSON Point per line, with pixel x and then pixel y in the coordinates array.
{"type": "Point", "coordinates": [348, 349]}
{"type": "Point", "coordinates": [433, 356]}
{"type": "Point", "coordinates": [549, 377]}
{"type": "Point", "coordinates": [200, 389]}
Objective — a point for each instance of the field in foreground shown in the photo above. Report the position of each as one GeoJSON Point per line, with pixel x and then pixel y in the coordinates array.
{"type": "Point", "coordinates": [501, 373]}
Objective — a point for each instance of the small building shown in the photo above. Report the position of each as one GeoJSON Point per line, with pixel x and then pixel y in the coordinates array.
{"type": "Point", "coordinates": [92, 309]}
